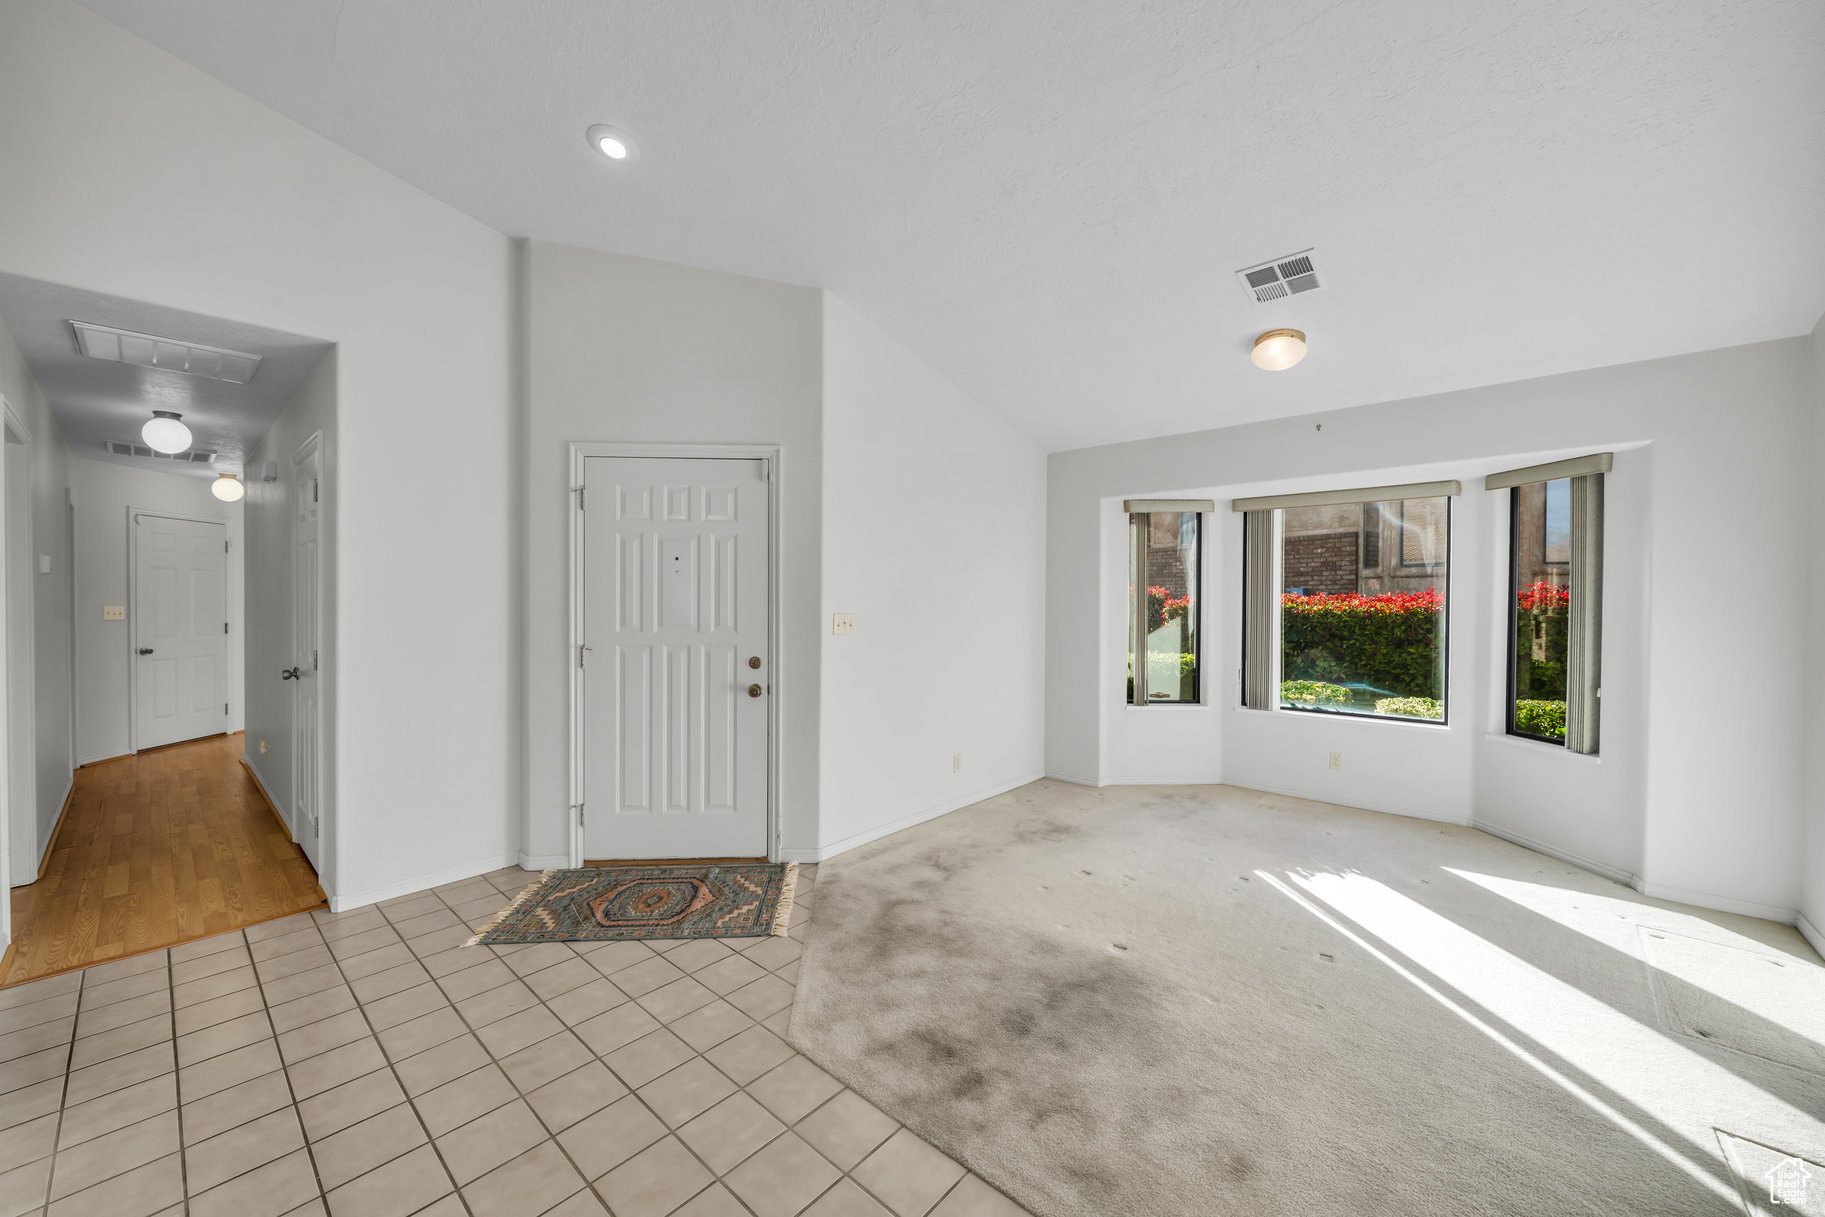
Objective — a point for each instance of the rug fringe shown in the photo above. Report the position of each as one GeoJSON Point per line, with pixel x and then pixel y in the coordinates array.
{"type": "Point", "coordinates": [481, 931]}
{"type": "Point", "coordinates": [788, 888]}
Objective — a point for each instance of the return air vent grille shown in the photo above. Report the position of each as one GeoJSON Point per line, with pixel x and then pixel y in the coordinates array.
{"type": "Point", "coordinates": [169, 354]}
{"type": "Point", "coordinates": [1281, 278]}
{"type": "Point", "coordinates": [121, 447]}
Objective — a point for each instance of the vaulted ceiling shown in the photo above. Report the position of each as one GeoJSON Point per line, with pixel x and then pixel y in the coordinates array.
{"type": "Point", "coordinates": [1048, 199]}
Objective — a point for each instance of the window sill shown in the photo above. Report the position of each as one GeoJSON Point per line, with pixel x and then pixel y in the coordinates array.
{"type": "Point", "coordinates": [1373, 719]}
{"type": "Point", "coordinates": [1541, 748]}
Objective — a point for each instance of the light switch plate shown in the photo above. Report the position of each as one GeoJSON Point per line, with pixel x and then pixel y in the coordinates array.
{"type": "Point", "coordinates": [44, 564]}
{"type": "Point", "coordinates": [113, 612]}
{"type": "Point", "coordinates": [842, 623]}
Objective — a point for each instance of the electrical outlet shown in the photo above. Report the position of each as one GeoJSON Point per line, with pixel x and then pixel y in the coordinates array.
{"type": "Point", "coordinates": [113, 612]}
{"type": "Point", "coordinates": [264, 750]}
{"type": "Point", "coordinates": [1337, 760]}
{"type": "Point", "coordinates": [842, 623]}
{"type": "Point", "coordinates": [957, 763]}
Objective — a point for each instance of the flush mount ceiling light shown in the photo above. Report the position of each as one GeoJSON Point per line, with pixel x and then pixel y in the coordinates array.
{"type": "Point", "coordinates": [228, 488]}
{"type": "Point", "coordinates": [1278, 350]}
{"type": "Point", "coordinates": [167, 354]}
{"type": "Point", "coordinates": [165, 432]}
{"type": "Point", "coordinates": [612, 142]}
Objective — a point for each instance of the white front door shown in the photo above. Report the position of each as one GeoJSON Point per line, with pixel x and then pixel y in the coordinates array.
{"type": "Point", "coordinates": [307, 529]}
{"type": "Point", "coordinates": [676, 670]}
{"type": "Point", "coordinates": [180, 629]}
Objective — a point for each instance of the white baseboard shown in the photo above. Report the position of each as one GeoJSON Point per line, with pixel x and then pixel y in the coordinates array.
{"type": "Point", "coordinates": [544, 861]}
{"type": "Point", "coordinates": [834, 848]}
{"type": "Point", "coordinates": [63, 809]}
{"type": "Point", "coordinates": [1331, 797]}
{"type": "Point", "coordinates": [1723, 904]}
{"type": "Point", "coordinates": [259, 779]}
{"type": "Point", "coordinates": [1811, 933]}
{"type": "Point", "coordinates": [1073, 778]}
{"type": "Point", "coordinates": [1627, 878]}
{"type": "Point", "coordinates": [1164, 781]}
{"type": "Point", "coordinates": [341, 903]}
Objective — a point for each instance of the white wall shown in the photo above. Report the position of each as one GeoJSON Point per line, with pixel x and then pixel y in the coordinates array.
{"type": "Point", "coordinates": [630, 350]}
{"type": "Point", "coordinates": [934, 537]}
{"type": "Point", "coordinates": [1812, 904]}
{"type": "Point", "coordinates": [50, 480]}
{"type": "Point", "coordinates": [106, 494]}
{"type": "Point", "coordinates": [278, 227]}
{"type": "Point", "coordinates": [1703, 807]}
{"type": "Point", "coordinates": [268, 638]}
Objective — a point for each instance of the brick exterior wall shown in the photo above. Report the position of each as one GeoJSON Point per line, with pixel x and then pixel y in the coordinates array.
{"type": "Point", "coordinates": [1321, 562]}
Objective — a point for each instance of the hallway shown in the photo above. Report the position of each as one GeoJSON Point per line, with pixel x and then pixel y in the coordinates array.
{"type": "Point", "coordinates": [157, 849]}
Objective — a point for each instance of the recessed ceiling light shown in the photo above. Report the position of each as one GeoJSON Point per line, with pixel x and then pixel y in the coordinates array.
{"type": "Point", "coordinates": [1278, 350]}
{"type": "Point", "coordinates": [612, 142]}
{"type": "Point", "coordinates": [165, 432]}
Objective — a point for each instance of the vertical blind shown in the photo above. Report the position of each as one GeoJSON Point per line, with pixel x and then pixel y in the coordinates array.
{"type": "Point", "coordinates": [1261, 603]}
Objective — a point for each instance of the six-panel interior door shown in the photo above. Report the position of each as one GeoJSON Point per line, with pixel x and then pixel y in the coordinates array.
{"type": "Point", "coordinates": [307, 516]}
{"type": "Point", "coordinates": [180, 630]}
{"type": "Point", "coordinates": [676, 669]}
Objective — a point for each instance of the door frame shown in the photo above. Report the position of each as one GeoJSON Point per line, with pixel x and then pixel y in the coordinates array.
{"type": "Point", "coordinates": [133, 514]}
{"type": "Point", "coordinates": [19, 687]}
{"type": "Point", "coordinates": [583, 450]}
{"type": "Point", "coordinates": [312, 446]}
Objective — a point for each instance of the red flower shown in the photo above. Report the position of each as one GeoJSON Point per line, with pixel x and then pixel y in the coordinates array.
{"type": "Point", "coordinates": [1549, 597]}
{"type": "Point", "coordinates": [1430, 600]}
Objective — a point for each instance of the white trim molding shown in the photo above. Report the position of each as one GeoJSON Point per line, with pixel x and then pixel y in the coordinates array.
{"type": "Point", "coordinates": [1811, 934]}
{"type": "Point", "coordinates": [342, 903]}
{"type": "Point", "coordinates": [1624, 877]}
{"type": "Point", "coordinates": [1723, 904]}
{"type": "Point", "coordinates": [833, 848]}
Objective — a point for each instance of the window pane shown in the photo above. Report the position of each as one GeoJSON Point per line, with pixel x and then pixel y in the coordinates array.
{"type": "Point", "coordinates": [1362, 617]}
{"type": "Point", "coordinates": [1171, 568]}
{"type": "Point", "coordinates": [1542, 608]}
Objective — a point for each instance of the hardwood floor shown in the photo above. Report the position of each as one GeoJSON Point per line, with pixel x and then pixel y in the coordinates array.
{"type": "Point", "coordinates": [154, 850]}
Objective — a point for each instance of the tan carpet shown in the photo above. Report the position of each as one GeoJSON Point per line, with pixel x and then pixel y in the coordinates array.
{"type": "Point", "coordinates": [1203, 1000]}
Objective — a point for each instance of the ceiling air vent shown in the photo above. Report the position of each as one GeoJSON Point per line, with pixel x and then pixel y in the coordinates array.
{"type": "Point", "coordinates": [1281, 278]}
{"type": "Point", "coordinates": [121, 447]}
{"type": "Point", "coordinates": [125, 346]}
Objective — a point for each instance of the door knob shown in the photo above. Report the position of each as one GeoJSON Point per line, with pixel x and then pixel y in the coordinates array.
{"type": "Point", "coordinates": [753, 690]}
{"type": "Point", "coordinates": [145, 650]}
{"type": "Point", "coordinates": [289, 674]}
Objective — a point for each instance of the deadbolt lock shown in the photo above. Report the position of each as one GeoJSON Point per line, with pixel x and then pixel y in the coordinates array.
{"type": "Point", "coordinates": [753, 661]}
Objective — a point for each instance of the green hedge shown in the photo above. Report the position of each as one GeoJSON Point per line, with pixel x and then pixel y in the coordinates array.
{"type": "Point", "coordinates": [1188, 674]}
{"type": "Point", "coordinates": [1390, 642]}
{"type": "Point", "coordinates": [1313, 693]}
{"type": "Point", "coordinates": [1542, 718]}
{"type": "Point", "coordinates": [1411, 707]}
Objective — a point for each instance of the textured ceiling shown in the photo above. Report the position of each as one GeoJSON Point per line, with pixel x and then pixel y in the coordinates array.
{"type": "Point", "coordinates": [1047, 199]}
{"type": "Point", "coordinates": [94, 400]}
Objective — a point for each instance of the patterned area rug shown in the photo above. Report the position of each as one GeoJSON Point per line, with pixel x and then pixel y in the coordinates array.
{"type": "Point", "coordinates": [604, 902]}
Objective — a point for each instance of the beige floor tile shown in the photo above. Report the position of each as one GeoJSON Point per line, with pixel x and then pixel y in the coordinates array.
{"type": "Point", "coordinates": [385, 960]}
{"type": "Point", "coordinates": [361, 1147]}
{"type": "Point", "coordinates": [730, 974]}
{"type": "Point", "coordinates": [686, 1092]}
{"type": "Point", "coordinates": [128, 1105]}
{"type": "Point", "coordinates": [587, 1000]}
{"type": "Point", "coordinates": [456, 1103]}
{"type": "Point", "coordinates": [444, 1063]}
{"type": "Point", "coordinates": [428, 923]}
{"type": "Point", "coordinates": [342, 1106]}
{"type": "Point", "coordinates": [348, 947]}
{"type": "Point", "coordinates": [249, 1028]}
{"type": "Point", "coordinates": [561, 977]}
{"type": "Point", "coordinates": [136, 1193]}
{"type": "Point", "coordinates": [648, 1057]}
{"type": "Point", "coordinates": [241, 1149]}
{"type": "Point", "coordinates": [538, 958]}
{"type": "Point", "coordinates": [85, 1083]}
{"type": "Point", "coordinates": [28, 1142]}
{"type": "Point", "coordinates": [579, 1093]}
{"type": "Point", "coordinates": [782, 1179]}
{"type": "Point", "coordinates": [545, 1061]}
{"type": "Point", "coordinates": [210, 987]}
{"type": "Point", "coordinates": [497, 1003]}
{"type": "Point", "coordinates": [794, 1089]}
{"type": "Point", "coordinates": [518, 1031]}
{"type": "Point", "coordinates": [774, 953]}
{"type": "Point", "coordinates": [642, 978]}
{"type": "Point", "coordinates": [907, 1175]}
{"type": "Point", "coordinates": [30, 1102]}
{"type": "Point", "coordinates": [610, 1137]}
{"type": "Point", "coordinates": [674, 1001]}
{"type": "Point", "coordinates": [425, 1032]}
{"type": "Point", "coordinates": [527, 1186]}
{"type": "Point", "coordinates": [705, 1028]}
{"type": "Point", "coordinates": [222, 1009]}
{"type": "Point", "coordinates": [974, 1198]}
{"type": "Point", "coordinates": [209, 965]}
{"type": "Point", "coordinates": [729, 1132]}
{"type": "Point", "coordinates": [484, 1143]}
{"type": "Point", "coordinates": [313, 1039]}
{"type": "Point", "coordinates": [402, 1186]}
{"type": "Point", "coordinates": [846, 1200]}
{"type": "Point", "coordinates": [655, 1181]}
{"type": "Point", "coordinates": [313, 1007]}
{"type": "Point", "coordinates": [13, 1018]}
{"type": "Point", "coordinates": [846, 1129]}
{"type": "Point", "coordinates": [779, 1023]}
{"type": "Point", "coordinates": [714, 1201]}
{"type": "Point", "coordinates": [583, 1204]}
{"type": "Point", "coordinates": [106, 1018]}
{"type": "Point", "coordinates": [404, 1006]}
{"type": "Point", "coordinates": [51, 1035]}
{"type": "Point", "coordinates": [392, 980]}
{"type": "Point", "coordinates": [746, 1056]}
{"type": "Point", "coordinates": [616, 1028]}
{"type": "Point", "coordinates": [22, 1189]}
{"type": "Point", "coordinates": [763, 997]}
{"type": "Point", "coordinates": [477, 978]}
{"type": "Point", "coordinates": [96, 993]}
{"type": "Point", "coordinates": [279, 967]}
{"type": "Point", "coordinates": [331, 1069]}
{"type": "Point", "coordinates": [109, 1044]}
{"type": "Point", "coordinates": [301, 984]}
{"type": "Point", "coordinates": [223, 1110]}
{"type": "Point", "coordinates": [229, 1069]}
{"type": "Point", "coordinates": [697, 953]}
{"type": "Point", "coordinates": [213, 945]}
{"type": "Point", "coordinates": [277, 1188]}
{"type": "Point", "coordinates": [612, 958]}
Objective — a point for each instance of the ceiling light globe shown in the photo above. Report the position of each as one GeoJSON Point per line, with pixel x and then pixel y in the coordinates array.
{"type": "Point", "coordinates": [612, 148]}
{"type": "Point", "coordinates": [228, 488]}
{"type": "Point", "coordinates": [164, 432]}
{"type": "Point", "coordinates": [1278, 350]}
